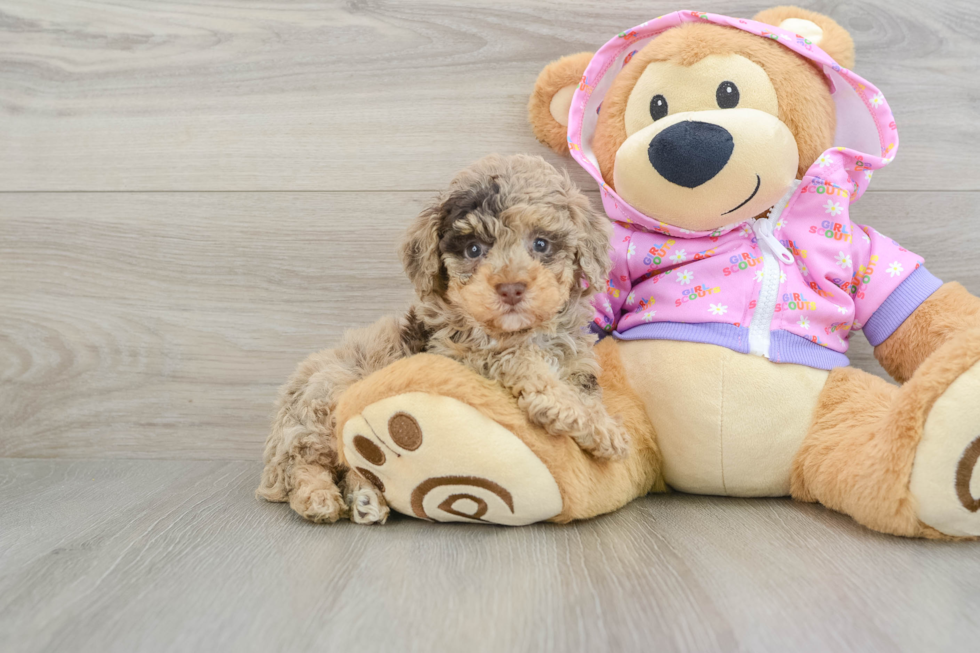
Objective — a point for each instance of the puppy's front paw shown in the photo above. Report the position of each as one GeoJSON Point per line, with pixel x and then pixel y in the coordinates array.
{"type": "Point", "coordinates": [608, 440]}
{"type": "Point", "coordinates": [321, 505]}
{"type": "Point", "coordinates": [594, 430]}
{"type": "Point", "coordinates": [366, 505]}
{"type": "Point", "coordinates": [558, 415]}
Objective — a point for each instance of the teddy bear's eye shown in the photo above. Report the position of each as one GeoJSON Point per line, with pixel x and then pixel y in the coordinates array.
{"type": "Point", "coordinates": [727, 95]}
{"type": "Point", "coordinates": [658, 107]}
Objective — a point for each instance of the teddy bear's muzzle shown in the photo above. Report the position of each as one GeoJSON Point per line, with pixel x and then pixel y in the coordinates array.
{"type": "Point", "coordinates": [701, 170]}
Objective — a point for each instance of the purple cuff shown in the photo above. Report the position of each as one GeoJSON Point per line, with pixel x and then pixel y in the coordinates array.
{"type": "Point", "coordinates": [596, 329]}
{"type": "Point", "coordinates": [899, 305]}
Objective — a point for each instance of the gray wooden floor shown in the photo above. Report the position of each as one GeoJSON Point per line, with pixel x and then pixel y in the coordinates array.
{"type": "Point", "coordinates": [131, 555]}
{"type": "Point", "coordinates": [193, 196]}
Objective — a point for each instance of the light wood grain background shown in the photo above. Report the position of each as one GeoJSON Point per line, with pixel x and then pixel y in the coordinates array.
{"type": "Point", "coordinates": [195, 195]}
{"type": "Point", "coordinates": [155, 291]}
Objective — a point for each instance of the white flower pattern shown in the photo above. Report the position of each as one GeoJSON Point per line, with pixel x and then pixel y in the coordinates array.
{"type": "Point", "coordinates": [833, 208]}
{"type": "Point", "coordinates": [843, 260]}
{"type": "Point", "coordinates": [895, 269]}
{"type": "Point", "coordinates": [684, 277]}
{"type": "Point", "coordinates": [718, 309]}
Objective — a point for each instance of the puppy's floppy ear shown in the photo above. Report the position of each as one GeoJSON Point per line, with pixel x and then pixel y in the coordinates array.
{"type": "Point", "coordinates": [474, 188]}
{"type": "Point", "coordinates": [420, 251]}
{"type": "Point", "coordinates": [552, 97]}
{"type": "Point", "coordinates": [822, 31]}
{"type": "Point", "coordinates": [592, 254]}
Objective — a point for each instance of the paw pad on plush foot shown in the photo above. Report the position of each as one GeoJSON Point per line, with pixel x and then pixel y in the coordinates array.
{"type": "Point", "coordinates": [968, 477]}
{"type": "Point", "coordinates": [946, 473]}
{"type": "Point", "coordinates": [436, 458]}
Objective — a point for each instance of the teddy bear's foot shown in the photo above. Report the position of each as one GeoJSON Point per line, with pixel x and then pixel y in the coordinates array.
{"type": "Point", "coordinates": [945, 475]}
{"type": "Point", "coordinates": [364, 501]}
{"type": "Point", "coordinates": [437, 458]}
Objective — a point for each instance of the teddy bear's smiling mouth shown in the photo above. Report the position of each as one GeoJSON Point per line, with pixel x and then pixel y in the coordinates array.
{"type": "Point", "coordinates": [758, 183]}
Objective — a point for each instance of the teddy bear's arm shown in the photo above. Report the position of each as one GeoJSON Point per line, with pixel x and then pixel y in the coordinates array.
{"type": "Point", "coordinates": [948, 311]}
{"type": "Point", "coordinates": [552, 97]}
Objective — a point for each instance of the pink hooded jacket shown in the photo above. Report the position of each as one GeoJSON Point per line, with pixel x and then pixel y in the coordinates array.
{"type": "Point", "coordinates": [790, 287]}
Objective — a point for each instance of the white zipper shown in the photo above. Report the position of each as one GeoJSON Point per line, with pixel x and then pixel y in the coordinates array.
{"type": "Point", "coordinates": [772, 253]}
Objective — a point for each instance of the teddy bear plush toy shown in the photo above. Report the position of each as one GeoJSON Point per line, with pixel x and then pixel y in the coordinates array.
{"type": "Point", "coordinates": [728, 153]}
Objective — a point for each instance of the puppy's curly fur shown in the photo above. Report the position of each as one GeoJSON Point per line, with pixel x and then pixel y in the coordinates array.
{"type": "Point", "coordinates": [504, 263]}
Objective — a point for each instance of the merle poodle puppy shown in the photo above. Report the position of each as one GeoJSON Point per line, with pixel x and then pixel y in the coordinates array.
{"type": "Point", "coordinates": [504, 263]}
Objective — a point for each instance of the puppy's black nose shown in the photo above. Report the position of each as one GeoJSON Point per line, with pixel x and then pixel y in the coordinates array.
{"type": "Point", "coordinates": [690, 153]}
{"type": "Point", "coordinates": [511, 293]}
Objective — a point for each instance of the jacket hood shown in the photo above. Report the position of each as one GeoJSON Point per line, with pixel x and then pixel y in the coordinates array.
{"type": "Point", "coordinates": [866, 138]}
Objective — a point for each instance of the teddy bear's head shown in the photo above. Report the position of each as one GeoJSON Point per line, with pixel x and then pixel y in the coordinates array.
{"type": "Point", "coordinates": [706, 125]}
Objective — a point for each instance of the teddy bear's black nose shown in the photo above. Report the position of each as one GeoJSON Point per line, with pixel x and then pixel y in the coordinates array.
{"type": "Point", "coordinates": [690, 153]}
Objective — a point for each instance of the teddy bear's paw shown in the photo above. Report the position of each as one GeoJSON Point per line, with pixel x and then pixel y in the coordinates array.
{"type": "Point", "coordinates": [321, 505]}
{"type": "Point", "coordinates": [436, 458]}
{"type": "Point", "coordinates": [366, 505]}
{"type": "Point", "coordinates": [946, 473]}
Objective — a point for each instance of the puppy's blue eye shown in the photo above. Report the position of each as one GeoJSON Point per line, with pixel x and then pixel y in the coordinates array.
{"type": "Point", "coordinates": [540, 245]}
{"type": "Point", "coordinates": [473, 250]}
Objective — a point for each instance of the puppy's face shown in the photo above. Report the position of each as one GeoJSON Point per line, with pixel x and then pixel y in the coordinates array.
{"type": "Point", "coordinates": [509, 245]}
{"type": "Point", "coordinates": [512, 270]}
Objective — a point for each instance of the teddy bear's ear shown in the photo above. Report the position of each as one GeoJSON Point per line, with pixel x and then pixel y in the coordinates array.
{"type": "Point", "coordinates": [820, 30]}
{"type": "Point", "coordinates": [552, 98]}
